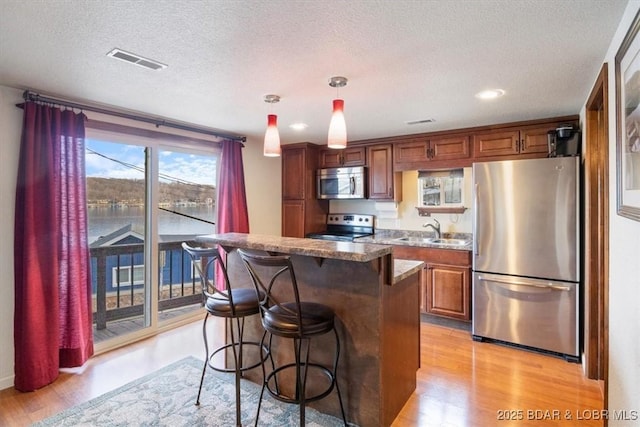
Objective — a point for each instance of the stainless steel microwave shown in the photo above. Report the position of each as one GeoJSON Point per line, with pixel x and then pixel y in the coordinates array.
{"type": "Point", "coordinates": [341, 183]}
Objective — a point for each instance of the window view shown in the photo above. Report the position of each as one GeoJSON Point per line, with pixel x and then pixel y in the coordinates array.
{"type": "Point", "coordinates": [120, 179]}
{"type": "Point", "coordinates": [440, 188]}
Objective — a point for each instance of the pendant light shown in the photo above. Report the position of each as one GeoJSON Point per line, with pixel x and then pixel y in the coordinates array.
{"type": "Point", "coordinates": [337, 137]}
{"type": "Point", "coordinates": [271, 136]}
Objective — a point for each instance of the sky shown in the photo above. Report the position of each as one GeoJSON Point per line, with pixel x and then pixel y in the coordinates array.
{"type": "Point", "coordinates": [114, 160]}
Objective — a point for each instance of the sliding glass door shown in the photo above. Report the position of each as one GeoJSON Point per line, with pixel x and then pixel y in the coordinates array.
{"type": "Point", "coordinates": [145, 197]}
{"type": "Point", "coordinates": [186, 208]}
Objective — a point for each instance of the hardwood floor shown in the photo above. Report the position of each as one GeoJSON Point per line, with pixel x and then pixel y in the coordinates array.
{"type": "Point", "coordinates": [460, 383]}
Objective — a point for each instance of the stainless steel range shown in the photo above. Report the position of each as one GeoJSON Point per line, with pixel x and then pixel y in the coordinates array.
{"type": "Point", "coordinates": [345, 227]}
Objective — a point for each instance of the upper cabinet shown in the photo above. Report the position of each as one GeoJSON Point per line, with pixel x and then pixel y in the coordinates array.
{"type": "Point", "coordinates": [384, 182]}
{"type": "Point", "coordinates": [302, 212]}
{"type": "Point", "coordinates": [296, 172]}
{"type": "Point", "coordinates": [352, 156]}
{"type": "Point", "coordinates": [432, 152]}
{"type": "Point", "coordinates": [527, 141]}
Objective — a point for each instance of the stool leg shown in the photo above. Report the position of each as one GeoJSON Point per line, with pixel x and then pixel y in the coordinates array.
{"type": "Point", "coordinates": [335, 376]}
{"type": "Point", "coordinates": [206, 356]}
{"type": "Point", "coordinates": [303, 395]}
{"type": "Point", "coordinates": [237, 372]}
{"type": "Point", "coordinates": [264, 373]}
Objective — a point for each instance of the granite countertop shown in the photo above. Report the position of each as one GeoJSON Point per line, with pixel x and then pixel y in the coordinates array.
{"type": "Point", "coordinates": [403, 268]}
{"type": "Point", "coordinates": [418, 239]}
{"type": "Point", "coordinates": [349, 251]}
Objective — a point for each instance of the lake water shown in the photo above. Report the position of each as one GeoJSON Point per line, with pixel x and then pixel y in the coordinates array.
{"type": "Point", "coordinates": [103, 221]}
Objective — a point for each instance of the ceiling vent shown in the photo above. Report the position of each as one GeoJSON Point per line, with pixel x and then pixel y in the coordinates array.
{"type": "Point", "coordinates": [417, 122]}
{"type": "Point", "coordinates": [132, 58]}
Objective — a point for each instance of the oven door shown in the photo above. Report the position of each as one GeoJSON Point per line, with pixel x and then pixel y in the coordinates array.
{"type": "Point", "coordinates": [340, 183]}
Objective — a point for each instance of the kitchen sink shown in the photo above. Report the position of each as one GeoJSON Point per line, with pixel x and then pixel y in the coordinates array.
{"type": "Point", "coordinates": [433, 241]}
{"type": "Point", "coordinates": [454, 242]}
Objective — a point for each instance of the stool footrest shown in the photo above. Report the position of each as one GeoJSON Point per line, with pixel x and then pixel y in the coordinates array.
{"type": "Point", "coordinates": [284, 398]}
{"type": "Point", "coordinates": [265, 356]}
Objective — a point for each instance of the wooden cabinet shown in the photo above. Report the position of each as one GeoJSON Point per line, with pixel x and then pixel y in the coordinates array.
{"type": "Point", "coordinates": [514, 142]}
{"type": "Point", "coordinates": [445, 281]}
{"type": "Point", "coordinates": [352, 156]}
{"type": "Point", "coordinates": [448, 291]}
{"type": "Point", "coordinates": [430, 152]}
{"type": "Point", "coordinates": [383, 182]}
{"type": "Point", "coordinates": [302, 212]}
{"type": "Point", "coordinates": [293, 218]}
{"type": "Point", "coordinates": [295, 173]}
{"type": "Point", "coordinates": [459, 148]}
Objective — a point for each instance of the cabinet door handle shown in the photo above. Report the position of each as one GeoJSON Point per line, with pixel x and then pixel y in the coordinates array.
{"type": "Point", "coordinates": [523, 147]}
{"type": "Point", "coordinates": [549, 285]}
{"type": "Point", "coordinates": [474, 225]}
{"type": "Point", "coordinates": [517, 146]}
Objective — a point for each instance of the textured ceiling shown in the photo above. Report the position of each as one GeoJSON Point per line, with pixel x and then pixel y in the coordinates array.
{"type": "Point", "coordinates": [405, 60]}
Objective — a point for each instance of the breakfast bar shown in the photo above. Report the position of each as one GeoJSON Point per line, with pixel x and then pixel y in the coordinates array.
{"type": "Point", "coordinates": [376, 301]}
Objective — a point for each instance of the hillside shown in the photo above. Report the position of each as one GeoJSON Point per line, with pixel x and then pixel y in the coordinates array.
{"type": "Point", "coordinates": [114, 190]}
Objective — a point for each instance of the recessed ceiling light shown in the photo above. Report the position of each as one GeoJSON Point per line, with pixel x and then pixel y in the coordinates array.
{"type": "Point", "coordinates": [490, 94]}
{"type": "Point", "coordinates": [298, 126]}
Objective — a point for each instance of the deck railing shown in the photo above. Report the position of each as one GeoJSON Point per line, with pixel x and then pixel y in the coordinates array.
{"type": "Point", "coordinates": [128, 302]}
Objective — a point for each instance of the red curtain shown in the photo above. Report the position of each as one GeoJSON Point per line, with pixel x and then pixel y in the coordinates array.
{"type": "Point", "coordinates": [52, 318]}
{"type": "Point", "coordinates": [232, 198]}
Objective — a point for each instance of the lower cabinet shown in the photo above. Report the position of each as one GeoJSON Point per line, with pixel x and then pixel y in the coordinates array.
{"type": "Point", "coordinates": [447, 291]}
{"type": "Point", "coordinates": [445, 282]}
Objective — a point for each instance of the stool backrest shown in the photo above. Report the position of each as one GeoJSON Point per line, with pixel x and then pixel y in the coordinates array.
{"type": "Point", "coordinates": [264, 279]}
{"type": "Point", "coordinates": [203, 260]}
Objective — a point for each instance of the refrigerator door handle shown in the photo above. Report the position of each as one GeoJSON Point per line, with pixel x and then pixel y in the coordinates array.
{"type": "Point", "coordinates": [533, 285]}
{"type": "Point", "coordinates": [475, 222]}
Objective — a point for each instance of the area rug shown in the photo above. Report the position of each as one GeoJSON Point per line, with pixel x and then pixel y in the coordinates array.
{"type": "Point", "coordinates": [166, 398]}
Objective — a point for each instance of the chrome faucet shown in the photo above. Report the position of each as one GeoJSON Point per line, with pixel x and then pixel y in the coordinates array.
{"type": "Point", "coordinates": [435, 227]}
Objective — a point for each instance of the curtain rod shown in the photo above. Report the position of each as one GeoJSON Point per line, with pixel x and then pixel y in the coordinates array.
{"type": "Point", "coordinates": [31, 96]}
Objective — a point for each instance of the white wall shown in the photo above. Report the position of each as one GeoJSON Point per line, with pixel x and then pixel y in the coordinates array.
{"type": "Point", "coordinates": [10, 128]}
{"type": "Point", "coordinates": [262, 179]}
{"type": "Point", "coordinates": [263, 182]}
{"type": "Point", "coordinates": [624, 273]}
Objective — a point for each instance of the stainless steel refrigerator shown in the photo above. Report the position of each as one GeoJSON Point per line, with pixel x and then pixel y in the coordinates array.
{"type": "Point", "coordinates": [526, 282]}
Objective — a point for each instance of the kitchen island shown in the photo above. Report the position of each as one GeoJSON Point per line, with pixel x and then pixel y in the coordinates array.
{"type": "Point", "coordinates": [376, 301]}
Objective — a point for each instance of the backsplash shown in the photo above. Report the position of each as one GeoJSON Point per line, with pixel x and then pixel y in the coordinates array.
{"type": "Point", "coordinates": [382, 233]}
{"type": "Point", "coordinates": [403, 215]}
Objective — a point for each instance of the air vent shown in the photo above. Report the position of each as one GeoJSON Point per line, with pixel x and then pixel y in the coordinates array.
{"type": "Point", "coordinates": [417, 122]}
{"type": "Point", "coordinates": [132, 58]}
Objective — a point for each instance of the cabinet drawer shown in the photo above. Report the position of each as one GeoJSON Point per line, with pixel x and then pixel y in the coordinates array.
{"type": "Point", "coordinates": [433, 255]}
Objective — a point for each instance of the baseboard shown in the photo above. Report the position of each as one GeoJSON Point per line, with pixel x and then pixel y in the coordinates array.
{"type": "Point", "coordinates": [446, 322]}
{"type": "Point", "coordinates": [6, 382]}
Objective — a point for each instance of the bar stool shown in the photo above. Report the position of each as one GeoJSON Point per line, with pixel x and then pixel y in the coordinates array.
{"type": "Point", "coordinates": [233, 305]}
{"type": "Point", "coordinates": [294, 319]}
